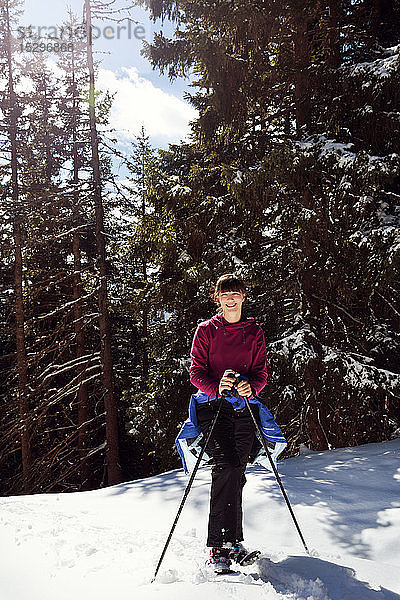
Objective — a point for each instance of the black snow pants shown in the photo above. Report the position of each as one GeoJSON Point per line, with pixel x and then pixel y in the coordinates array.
{"type": "Point", "coordinates": [229, 449]}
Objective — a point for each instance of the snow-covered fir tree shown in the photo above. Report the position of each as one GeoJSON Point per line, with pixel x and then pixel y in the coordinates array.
{"type": "Point", "coordinates": [293, 181]}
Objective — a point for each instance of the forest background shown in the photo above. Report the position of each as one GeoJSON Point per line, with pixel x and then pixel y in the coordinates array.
{"type": "Point", "coordinates": [290, 178]}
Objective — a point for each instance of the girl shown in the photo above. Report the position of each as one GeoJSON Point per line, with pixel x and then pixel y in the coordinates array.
{"type": "Point", "coordinates": [225, 347]}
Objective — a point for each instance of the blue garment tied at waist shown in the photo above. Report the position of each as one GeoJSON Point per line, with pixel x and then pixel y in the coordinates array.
{"type": "Point", "coordinates": [191, 428]}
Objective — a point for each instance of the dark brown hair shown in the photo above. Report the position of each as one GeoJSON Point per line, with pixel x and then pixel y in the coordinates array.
{"type": "Point", "coordinates": [228, 283]}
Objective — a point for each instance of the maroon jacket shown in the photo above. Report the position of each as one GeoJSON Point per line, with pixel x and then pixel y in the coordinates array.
{"type": "Point", "coordinates": [219, 345]}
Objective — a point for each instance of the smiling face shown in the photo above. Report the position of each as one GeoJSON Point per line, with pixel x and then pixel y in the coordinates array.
{"type": "Point", "coordinates": [230, 293]}
{"type": "Point", "coordinates": [231, 304]}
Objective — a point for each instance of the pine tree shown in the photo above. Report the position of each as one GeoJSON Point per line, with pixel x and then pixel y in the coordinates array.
{"type": "Point", "coordinates": [74, 111]}
{"type": "Point", "coordinates": [113, 466]}
{"type": "Point", "coordinates": [57, 227]}
{"type": "Point", "coordinates": [12, 111]}
{"type": "Point", "coordinates": [302, 201]}
{"type": "Point", "coordinates": [48, 290]}
{"type": "Point", "coordinates": [147, 238]}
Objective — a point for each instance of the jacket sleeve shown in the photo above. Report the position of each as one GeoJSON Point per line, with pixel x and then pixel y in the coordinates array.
{"type": "Point", "coordinates": [198, 371]}
{"type": "Point", "coordinates": [258, 373]}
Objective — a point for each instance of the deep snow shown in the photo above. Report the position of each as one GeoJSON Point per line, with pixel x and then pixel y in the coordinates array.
{"type": "Point", "coordinates": [105, 544]}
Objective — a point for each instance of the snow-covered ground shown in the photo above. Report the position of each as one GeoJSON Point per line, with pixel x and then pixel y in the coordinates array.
{"type": "Point", "coordinates": [105, 544]}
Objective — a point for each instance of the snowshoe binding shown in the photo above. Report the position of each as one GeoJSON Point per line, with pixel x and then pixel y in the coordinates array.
{"type": "Point", "coordinates": [243, 557]}
{"type": "Point", "coordinates": [219, 560]}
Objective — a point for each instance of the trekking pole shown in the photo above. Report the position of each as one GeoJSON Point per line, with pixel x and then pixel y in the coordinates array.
{"type": "Point", "coordinates": [189, 485]}
{"type": "Point", "coordinates": [268, 453]}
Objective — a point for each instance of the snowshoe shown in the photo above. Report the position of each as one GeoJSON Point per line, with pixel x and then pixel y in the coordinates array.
{"type": "Point", "coordinates": [219, 560]}
{"type": "Point", "coordinates": [243, 557]}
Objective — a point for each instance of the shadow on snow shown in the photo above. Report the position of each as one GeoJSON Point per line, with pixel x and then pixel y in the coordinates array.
{"type": "Point", "coordinates": [309, 577]}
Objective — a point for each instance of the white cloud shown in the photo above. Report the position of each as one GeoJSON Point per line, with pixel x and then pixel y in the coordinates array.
{"type": "Point", "coordinates": [139, 102]}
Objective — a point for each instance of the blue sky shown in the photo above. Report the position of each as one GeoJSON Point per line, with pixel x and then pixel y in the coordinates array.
{"type": "Point", "coordinates": [143, 96]}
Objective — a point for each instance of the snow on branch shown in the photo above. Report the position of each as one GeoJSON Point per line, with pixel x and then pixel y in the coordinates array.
{"type": "Point", "coordinates": [54, 370]}
{"type": "Point", "coordinates": [69, 304]}
{"type": "Point", "coordinates": [296, 347]}
{"type": "Point", "coordinates": [360, 375]}
{"type": "Point", "coordinates": [380, 68]}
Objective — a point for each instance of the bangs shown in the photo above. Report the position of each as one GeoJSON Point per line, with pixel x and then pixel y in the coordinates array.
{"type": "Point", "coordinates": [233, 284]}
{"type": "Point", "coordinates": [228, 283]}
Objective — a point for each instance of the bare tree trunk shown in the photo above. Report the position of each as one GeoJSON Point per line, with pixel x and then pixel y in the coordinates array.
{"type": "Point", "coordinates": [112, 457]}
{"type": "Point", "coordinates": [145, 318]}
{"type": "Point", "coordinates": [312, 375]}
{"type": "Point", "coordinates": [334, 34]}
{"type": "Point", "coordinates": [145, 314]}
{"type": "Point", "coordinates": [382, 16]}
{"type": "Point", "coordinates": [83, 403]}
{"type": "Point", "coordinates": [23, 399]}
{"type": "Point", "coordinates": [302, 83]}
{"type": "Point", "coordinates": [22, 367]}
{"type": "Point", "coordinates": [83, 400]}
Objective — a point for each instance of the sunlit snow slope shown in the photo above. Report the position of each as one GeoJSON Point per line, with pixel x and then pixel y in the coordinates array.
{"type": "Point", "coordinates": [105, 544]}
